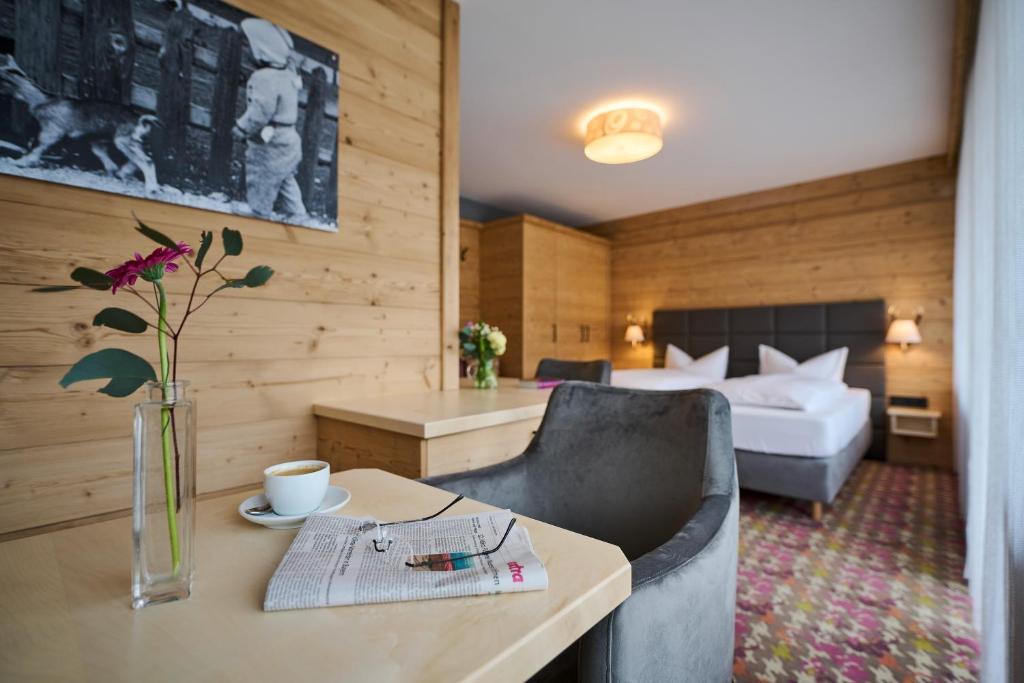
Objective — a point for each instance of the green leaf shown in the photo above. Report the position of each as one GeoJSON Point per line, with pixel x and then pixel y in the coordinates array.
{"type": "Point", "coordinates": [126, 371]}
{"type": "Point", "coordinates": [57, 288]}
{"type": "Point", "coordinates": [156, 235]}
{"type": "Point", "coordinates": [257, 276]}
{"type": "Point", "coordinates": [204, 246]}
{"type": "Point", "coordinates": [93, 279]}
{"type": "Point", "coordinates": [119, 387]}
{"type": "Point", "coordinates": [232, 241]}
{"type": "Point", "coordinates": [120, 319]}
{"type": "Point", "coordinates": [230, 284]}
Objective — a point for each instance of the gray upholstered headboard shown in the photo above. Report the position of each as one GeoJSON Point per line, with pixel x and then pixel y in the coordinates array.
{"type": "Point", "coordinates": [802, 331]}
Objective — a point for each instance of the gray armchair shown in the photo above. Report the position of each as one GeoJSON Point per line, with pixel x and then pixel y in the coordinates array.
{"type": "Point", "coordinates": [599, 371]}
{"type": "Point", "coordinates": [655, 474]}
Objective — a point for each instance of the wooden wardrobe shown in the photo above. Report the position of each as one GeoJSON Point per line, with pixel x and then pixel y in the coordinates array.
{"type": "Point", "coordinates": [548, 287]}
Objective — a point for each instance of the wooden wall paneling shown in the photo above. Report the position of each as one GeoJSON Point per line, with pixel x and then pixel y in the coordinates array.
{"type": "Point", "coordinates": [469, 271]}
{"type": "Point", "coordinates": [235, 392]}
{"type": "Point", "coordinates": [788, 196]}
{"type": "Point", "coordinates": [450, 197]}
{"type": "Point", "coordinates": [63, 331]}
{"type": "Point", "coordinates": [94, 218]}
{"type": "Point", "coordinates": [97, 472]}
{"type": "Point", "coordinates": [884, 232]}
{"type": "Point", "coordinates": [347, 314]}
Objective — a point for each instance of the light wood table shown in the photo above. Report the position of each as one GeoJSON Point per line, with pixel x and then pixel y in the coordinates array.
{"type": "Point", "coordinates": [426, 434]}
{"type": "Point", "coordinates": [65, 615]}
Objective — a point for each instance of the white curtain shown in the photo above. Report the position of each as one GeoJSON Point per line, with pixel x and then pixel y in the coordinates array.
{"type": "Point", "coordinates": [988, 367]}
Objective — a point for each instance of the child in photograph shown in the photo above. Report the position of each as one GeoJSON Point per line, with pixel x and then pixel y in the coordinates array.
{"type": "Point", "coordinates": [273, 146]}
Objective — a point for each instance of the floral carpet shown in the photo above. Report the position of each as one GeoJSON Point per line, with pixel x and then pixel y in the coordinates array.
{"type": "Point", "coordinates": [874, 593]}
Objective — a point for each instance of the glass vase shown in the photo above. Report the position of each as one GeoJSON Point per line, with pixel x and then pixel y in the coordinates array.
{"type": "Point", "coordinates": [164, 495]}
{"type": "Point", "coordinates": [484, 373]}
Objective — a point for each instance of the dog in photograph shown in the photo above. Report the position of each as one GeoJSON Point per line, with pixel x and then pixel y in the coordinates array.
{"type": "Point", "coordinates": [100, 122]}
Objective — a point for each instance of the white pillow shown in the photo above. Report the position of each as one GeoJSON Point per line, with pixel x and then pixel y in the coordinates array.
{"type": "Point", "coordinates": [784, 390]}
{"type": "Point", "coordinates": [713, 365]}
{"type": "Point", "coordinates": [829, 365]}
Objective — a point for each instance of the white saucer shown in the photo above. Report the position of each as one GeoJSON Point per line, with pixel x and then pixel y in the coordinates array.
{"type": "Point", "coordinates": [335, 498]}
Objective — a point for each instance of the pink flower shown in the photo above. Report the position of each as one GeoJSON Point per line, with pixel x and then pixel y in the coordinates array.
{"type": "Point", "coordinates": [150, 268]}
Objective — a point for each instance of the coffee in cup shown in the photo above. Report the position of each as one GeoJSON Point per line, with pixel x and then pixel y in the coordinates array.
{"type": "Point", "coordinates": [296, 488]}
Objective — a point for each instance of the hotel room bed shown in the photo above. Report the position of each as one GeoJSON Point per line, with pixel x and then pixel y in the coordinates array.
{"type": "Point", "coordinates": [805, 456]}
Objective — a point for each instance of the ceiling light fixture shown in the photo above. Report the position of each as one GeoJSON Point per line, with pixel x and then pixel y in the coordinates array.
{"type": "Point", "coordinates": [623, 135]}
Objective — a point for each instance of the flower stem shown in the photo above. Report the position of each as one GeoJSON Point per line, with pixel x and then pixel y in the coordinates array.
{"type": "Point", "coordinates": [165, 426]}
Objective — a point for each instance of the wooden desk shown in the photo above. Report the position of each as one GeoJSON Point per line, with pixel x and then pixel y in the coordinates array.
{"type": "Point", "coordinates": [65, 615]}
{"type": "Point", "coordinates": [432, 433]}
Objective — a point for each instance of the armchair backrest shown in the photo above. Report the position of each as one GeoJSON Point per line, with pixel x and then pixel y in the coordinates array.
{"type": "Point", "coordinates": [628, 467]}
{"type": "Point", "coordinates": [599, 371]}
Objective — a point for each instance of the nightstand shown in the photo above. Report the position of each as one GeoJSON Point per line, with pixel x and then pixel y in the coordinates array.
{"type": "Point", "coordinates": [912, 434]}
{"type": "Point", "coordinates": [919, 422]}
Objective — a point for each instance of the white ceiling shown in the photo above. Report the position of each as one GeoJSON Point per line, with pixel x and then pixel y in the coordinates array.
{"type": "Point", "coordinates": [758, 94]}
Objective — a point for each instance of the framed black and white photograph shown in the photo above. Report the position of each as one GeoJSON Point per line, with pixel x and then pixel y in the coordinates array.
{"type": "Point", "coordinates": [190, 102]}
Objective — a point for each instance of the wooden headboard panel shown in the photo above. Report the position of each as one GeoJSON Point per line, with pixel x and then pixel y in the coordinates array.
{"type": "Point", "coordinates": [802, 331]}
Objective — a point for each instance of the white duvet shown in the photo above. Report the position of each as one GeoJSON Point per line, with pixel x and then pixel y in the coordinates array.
{"type": "Point", "coordinates": [817, 433]}
{"type": "Point", "coordinates": [785, 414]}
{"type": "Point", "coordinates": [788, 391]}
{"type": "Point", "coordinates": [659, 379]}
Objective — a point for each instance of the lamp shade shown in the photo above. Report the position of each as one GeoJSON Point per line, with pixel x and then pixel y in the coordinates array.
{"type": "Point", "coordinates": [634, 334]}
{"type": "Point", "coordinates": [622, 136]}
{"type": "Point", "coordinates": [903, 332]}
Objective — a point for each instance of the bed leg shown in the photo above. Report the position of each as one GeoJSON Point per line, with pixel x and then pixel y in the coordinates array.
{"type": "Point", "coordinates": [817, 510]}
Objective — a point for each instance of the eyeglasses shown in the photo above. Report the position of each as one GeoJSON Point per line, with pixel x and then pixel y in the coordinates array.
{"type": "Point", "coordinates": [382, 543]}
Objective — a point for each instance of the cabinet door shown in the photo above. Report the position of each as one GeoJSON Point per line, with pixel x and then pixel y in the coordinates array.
{"type": "Point", "coordinates": [501, 289]}
{"type": "Point", "coordinates": [572, 296]}
{"type": "Point", "coordinates": [596, 303]}
{"type": "Point", "coordinates": [541, 333]}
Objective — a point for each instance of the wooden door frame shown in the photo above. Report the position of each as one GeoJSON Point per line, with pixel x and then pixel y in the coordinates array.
{"type": "Point", "coordinates": [449, 195]}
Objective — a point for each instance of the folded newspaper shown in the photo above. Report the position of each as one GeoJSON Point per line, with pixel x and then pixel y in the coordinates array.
{"type": "Point", "coordinates": [333, 561]}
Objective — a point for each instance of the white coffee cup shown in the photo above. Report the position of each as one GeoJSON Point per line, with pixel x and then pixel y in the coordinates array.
{"type": "Point", "coordinates": [297, 487]}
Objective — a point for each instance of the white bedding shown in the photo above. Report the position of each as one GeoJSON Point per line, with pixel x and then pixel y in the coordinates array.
{"type": "Point", "coordinates": [789, 390]}
{"type": "Point", "coordinates": [818, 433]}
{"type": "Point", "coordinates": [809, 433]}
{"type": "Point", "coordinates": [660, 379]}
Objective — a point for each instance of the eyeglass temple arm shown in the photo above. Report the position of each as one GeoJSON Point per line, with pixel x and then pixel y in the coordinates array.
{"type": "Point", "coordinates": [479, 554]}
{"type": "Point", "coordinates": [424, 519]}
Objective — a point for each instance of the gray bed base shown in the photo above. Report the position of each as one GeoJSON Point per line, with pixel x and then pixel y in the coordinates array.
{"type": "Point", "coordinates": [813, 479]}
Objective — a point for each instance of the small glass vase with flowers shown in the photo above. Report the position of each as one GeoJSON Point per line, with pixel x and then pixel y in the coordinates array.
{"type": "Point", "coordinates": [164, 482]}
{"type": "Point", "coordinates": [481, 345]}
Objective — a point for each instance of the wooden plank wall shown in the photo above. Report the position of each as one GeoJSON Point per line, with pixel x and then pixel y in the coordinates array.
{"type": "Point", "coordinates": [348, 314]}
{"type": "Point", "coordinates": [886, 232]}
{"type": "Point", "coordinates": [469, 271]}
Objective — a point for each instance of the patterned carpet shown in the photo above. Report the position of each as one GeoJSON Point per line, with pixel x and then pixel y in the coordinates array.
{"type": "Point", "coordinates": [874, 594]}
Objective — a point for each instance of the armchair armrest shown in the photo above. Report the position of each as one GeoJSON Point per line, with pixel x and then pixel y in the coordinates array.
{"type": "Point", "coordinates": [686, 544]}
{"type": "Point", "coordinates": [680, 617]}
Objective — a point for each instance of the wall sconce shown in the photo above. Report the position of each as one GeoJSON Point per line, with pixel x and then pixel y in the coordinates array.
{"type": "Point", "coordinates": [904, 331]}
{"type": "Point", "coordinates": [634, 331]}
